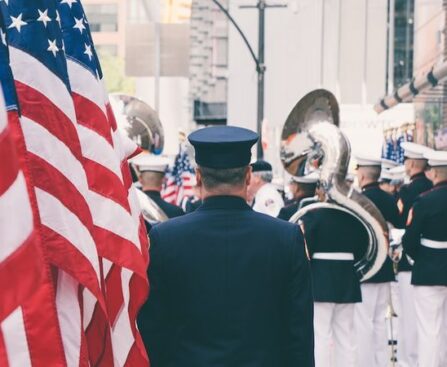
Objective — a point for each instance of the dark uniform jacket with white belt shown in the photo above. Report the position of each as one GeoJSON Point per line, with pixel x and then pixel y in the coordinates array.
{"type": "Point", "coordinates": [229, 287]}
{"type": "Point", "coordinates": [169, 209]}
{"type": "Point", "coordinates": [406, 198]}
{"type": "Point", "coordinates": [386, 203]}
{"type": "Point", "coordinates": [330, 234]}
{"type": "Point", "coordinates": [425, 238]}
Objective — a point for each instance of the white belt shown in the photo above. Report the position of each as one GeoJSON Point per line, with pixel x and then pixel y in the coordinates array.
{"type": "Point", "coordinates": [434, 244]}
{"type": "Point", "coordinates": [333, 256]}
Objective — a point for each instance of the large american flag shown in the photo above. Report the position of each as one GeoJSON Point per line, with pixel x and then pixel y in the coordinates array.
{"type": "Point", "coordinates": [179, 178]}
{"type": "Point", "coordinates": [87, 213]}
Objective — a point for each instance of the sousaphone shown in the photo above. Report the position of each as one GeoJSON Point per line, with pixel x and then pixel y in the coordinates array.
{"type": "Point", "coordinates": [311, 139]}
{"type": "Point", "coordinates": [138, 121]}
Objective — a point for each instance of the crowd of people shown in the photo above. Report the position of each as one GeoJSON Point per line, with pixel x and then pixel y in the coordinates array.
{"type": "Point", "coordinates": [233, 283]}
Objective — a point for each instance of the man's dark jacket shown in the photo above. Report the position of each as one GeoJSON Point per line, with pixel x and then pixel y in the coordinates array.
{"type": "Point", "coordinates": [229, 288]}
{"type": "Point", "coordinates": [387, 205]}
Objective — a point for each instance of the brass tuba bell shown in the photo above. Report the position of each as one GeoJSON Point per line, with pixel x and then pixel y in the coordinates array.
{"type": "Point", "coordinates": [139, 122]}
{"type": "Point", "coordinates": [312, 139]}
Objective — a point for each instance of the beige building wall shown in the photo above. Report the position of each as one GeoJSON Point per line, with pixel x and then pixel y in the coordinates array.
{"type": "Point", "coordinates": [108, 40]}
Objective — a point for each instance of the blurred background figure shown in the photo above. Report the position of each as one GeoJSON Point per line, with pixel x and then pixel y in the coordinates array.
{"type": "Point", "coordinates": [370, 314]}
{"type": "Point", "coordinates": [414, 167]}
{"type": "Point", "coordinates": [191, 203]}
{"type": "Point", "coordinates": [335, 240]}
{"type": "Point", "coordinates": [152, 170]}
{"type": "Point", "coordinates": [425, 241]}
{"type": "Point", "coordinates": [300, 187]}
{"type": "Point", "coordinates": [264, 197]}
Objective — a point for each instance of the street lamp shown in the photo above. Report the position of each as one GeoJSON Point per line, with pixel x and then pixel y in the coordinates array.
{"type": "Point", "coordinates": [259, 60]}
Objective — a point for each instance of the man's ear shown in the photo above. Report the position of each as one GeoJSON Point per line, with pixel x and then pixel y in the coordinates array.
{"type": "Point", "coordinates": [199, 177]}
{"type": "Point", "coordinates": [248, 176]}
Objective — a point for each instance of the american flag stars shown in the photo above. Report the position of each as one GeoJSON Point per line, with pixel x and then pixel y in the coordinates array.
{"type": "Point", "coordinates": [43, 17]}
{"type": "Point", "coordinates": [17, 22]}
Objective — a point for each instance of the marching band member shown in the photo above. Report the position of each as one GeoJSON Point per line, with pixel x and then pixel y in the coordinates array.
{"type": "Point", "coordinates": [370, 314]}
{"type": "Point", "coordinates": [415, 165]}
{"type": "Point", "coordinates": [229, 286]}
{"type": "Point", "coordinates": [425, 240]}
{"type": "Point", "coordinates": [301, 187]}
{"type": "Point", "coordinates": [152, 170]}
{"type": "Point", "coordinates": [333, 238]}
{"type": "Point", "coordinates": [266, 199]}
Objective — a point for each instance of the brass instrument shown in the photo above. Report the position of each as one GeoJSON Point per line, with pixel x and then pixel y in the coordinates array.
{"type": "Point", "coordinates": [311, 139]}
{"type": "Point", "coordinates": [137, 120]}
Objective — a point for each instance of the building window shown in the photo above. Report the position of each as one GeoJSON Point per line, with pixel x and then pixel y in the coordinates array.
{"type": "Point", "coordinates": [107, 50]}
{"type": "Point", "coordinates": [403, 41]}
{"type": "Point", "coordinates": [102, 17]}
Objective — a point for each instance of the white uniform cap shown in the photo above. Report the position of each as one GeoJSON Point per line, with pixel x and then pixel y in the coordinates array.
{"type": "Point", "coordinates": [150, 162]}
{"type": "Point", "coordinates": [368, 161]}
{"type": "Point", "coordinates": [388, 164]}
{"type": "Point", "coordinates": [413, 150]}
{"type": "Point", "coordinates": [385, 175]}
{"type": "Point", "coordinates": [311, 178]}
{"type": "Point", "coordinates": [436, 158]}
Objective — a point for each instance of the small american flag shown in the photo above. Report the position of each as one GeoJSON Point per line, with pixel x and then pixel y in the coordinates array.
{"type": "Point", "coordinates": [179, 178]}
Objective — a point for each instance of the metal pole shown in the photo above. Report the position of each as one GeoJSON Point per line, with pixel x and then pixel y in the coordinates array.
{"type": "Point", "coordinates": [322, 44]}
{"type": "Point", "coordinates": [261, 73]}
{"type": "Point", "coordinates": [157, 68]}
{"type": "Point", "coordinates": [338, 86]}
{"type": "Point", "coordinates": [365, 56]}
{"type": "Point", "coordinates": [390, 80]}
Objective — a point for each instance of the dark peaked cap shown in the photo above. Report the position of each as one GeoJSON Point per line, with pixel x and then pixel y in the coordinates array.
{"type": "Point", "coordinates": [261, 166]}
{"type": "Point", "coordinates": [223, 146]}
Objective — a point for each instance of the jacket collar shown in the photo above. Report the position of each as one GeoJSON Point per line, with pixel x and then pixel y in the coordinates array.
{"type": "Point", "coordinates": [224, 202]}
{"type": "Point", "coordinates": [440, 184]}
{"type": "Point", "coordinates": [417, 176]}
{"type": "Point", "coordinates": [372, 185]}
{"type": "Point", "coordinates": [153, 193]}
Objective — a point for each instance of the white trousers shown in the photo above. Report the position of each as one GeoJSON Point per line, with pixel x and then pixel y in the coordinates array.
{"type": "Point", "coordinates": [370, 325]}
{"type": "Point", "coordinates": [334, 337]}
{"type": "Point", "coordinates": [407, 335]}
{"type": "Point", "coordinates": [430, 308]}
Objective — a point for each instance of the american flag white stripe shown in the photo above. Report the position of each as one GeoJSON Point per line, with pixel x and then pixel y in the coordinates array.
{"type": "Point", "coordinates": [17, 349]}
{"type": "Point", "coordinates": [45, 145]}
{"type": "Point", "coordinates": [96, 148]}
{"type": "Point", "coordinates": [22, 268]}
{"type": "Point", "coordinates": [69, 315]}
{"type": "Point", "coordinates": [30, 71]}
{"type": "Point", "coordinates": [67, 225]}
{"type": "Point", "coordinates": [15, 225]}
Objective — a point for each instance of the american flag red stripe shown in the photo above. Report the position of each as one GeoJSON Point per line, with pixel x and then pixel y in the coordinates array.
{"type": "Point", "coordinates": [86, 211]}
{"type": "Point", "coordinates": [27, 292]}
{"type": "Point", "coordinates": [120, 242]}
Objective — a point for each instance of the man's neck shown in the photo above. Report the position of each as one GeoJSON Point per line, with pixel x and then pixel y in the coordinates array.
{"type": "Point", "coordinates": [242, 193]}
{"type": "Point", "coordinates": [416, 173]}
{"type": "Point", "coordinates": [368, 183]}
{"type": "Point", "coordinates": [151, 188]}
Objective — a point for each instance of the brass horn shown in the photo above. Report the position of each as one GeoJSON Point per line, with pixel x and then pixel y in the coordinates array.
{"type": "Point", "coordinates": [312, 139]}
{"type": "Point", "coordinates": [137, 120]}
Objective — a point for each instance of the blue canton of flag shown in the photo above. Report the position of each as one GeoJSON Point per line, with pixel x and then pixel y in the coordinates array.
{"type": "Point", "coordinates": [77, 36]}
{"type": "Point", "coordinates": [34, 27]}
{"type": "Point", "coordinates": [6, 78]}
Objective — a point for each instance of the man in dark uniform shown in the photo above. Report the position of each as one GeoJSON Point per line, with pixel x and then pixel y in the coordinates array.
{"type": "Point", "coordinates": [301, 188]}
{"type": "Point", "coordinates": [335, 240]}
{"type": "Point", "coordinates": [152, 170]}
{"type": "Point", "coordinates": [229, 287]}
{"type": "Point", "coordinates": [370, 314]}
{"type": "Point", "coordinates": [425, 240]}
{"type": "Point", "coordinates": [415, 165]}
